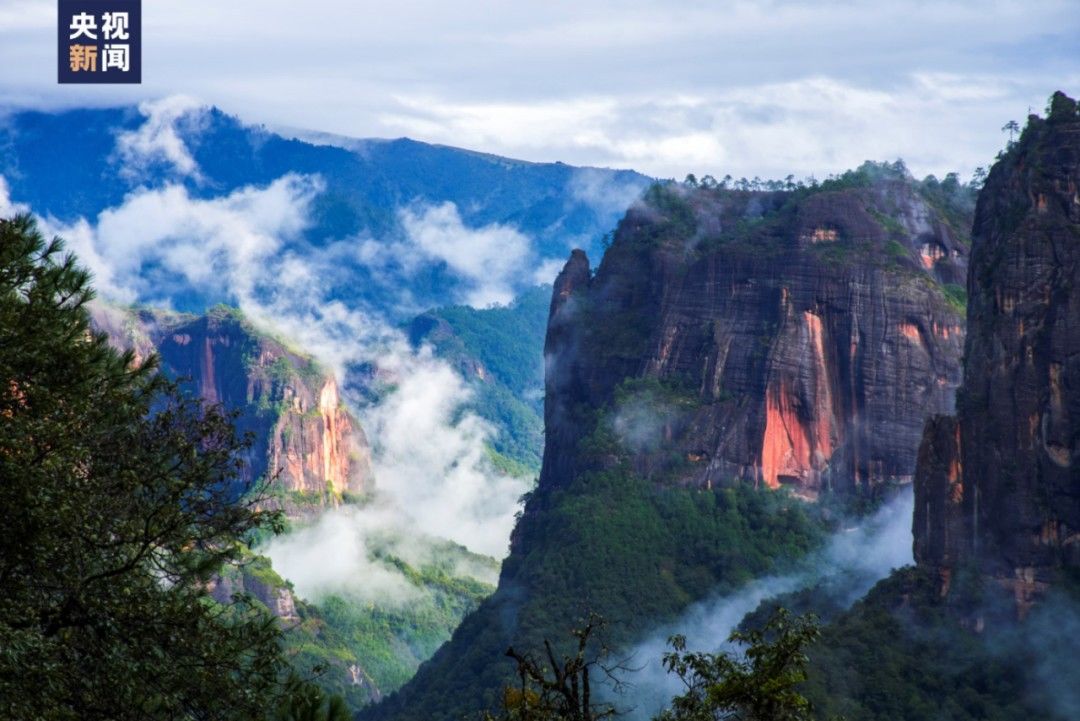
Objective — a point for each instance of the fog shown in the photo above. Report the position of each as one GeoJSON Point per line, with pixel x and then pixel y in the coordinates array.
{"type": "Point", "coordinates": [850, 563]}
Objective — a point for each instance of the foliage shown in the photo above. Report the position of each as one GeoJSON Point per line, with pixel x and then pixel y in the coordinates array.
{"type": "Point", "coordinates": [115, 493]}
{"type": "Point", "coordinates": [761, 684]}
{"type": "Point", "coordinates": [508, 343]}
{"type": "Point", "coordinates": [953, 199]}
{"type": "Point", "coordinates": [956, 294]}
{"type": "Point", "coordinates": [307, 702]}
{"type": "Point", "coordinates": [902, 653]}
{"type": "Point", "coordinates": [387, 641]}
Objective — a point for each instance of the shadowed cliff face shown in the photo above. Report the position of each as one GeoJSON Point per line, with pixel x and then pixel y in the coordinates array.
{"type": "Point", "coordinates": [998, 486]}
{"type": "Point", "coordinates": [789, 338]}
{"type": "Point", "coordinates": [300, 429]}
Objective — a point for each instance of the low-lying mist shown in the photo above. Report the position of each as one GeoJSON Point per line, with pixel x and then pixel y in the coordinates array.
{"type": "Point", "coordinates": [850, 563]}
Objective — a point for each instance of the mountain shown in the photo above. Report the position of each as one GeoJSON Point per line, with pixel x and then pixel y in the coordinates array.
{"type": "Point", "coordinates": [304, 441]}
{"type": "Point", "coordinates": [999, 482]}
{"type": "Point", "coordinates": [78, 164]}
{"type": "Point", "coordinates": [715, 314]}
{"type": "Point", "coordinates": [980, 627]}
{"type": "Point", "coordinates": [499, 351]}
{"type": "Point", "coordinates": [801, 337]}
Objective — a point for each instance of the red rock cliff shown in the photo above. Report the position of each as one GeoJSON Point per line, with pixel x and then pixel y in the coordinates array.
{"type": "Point", "coordinates": [302, 434]}
{"type": "Point", "coordinates": [799, 338]}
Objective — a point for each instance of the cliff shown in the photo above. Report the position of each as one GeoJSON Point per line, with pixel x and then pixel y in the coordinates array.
{"type": "Point", "coordinates": [303, 438]}
{"type": "Point", "coordinates": [998, 485]}
{"type": "Point", "coordinates": [795, 338]}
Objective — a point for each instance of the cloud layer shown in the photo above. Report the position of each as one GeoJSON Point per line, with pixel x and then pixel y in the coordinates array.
{"type": "Point", "coordinates": [753, 87]}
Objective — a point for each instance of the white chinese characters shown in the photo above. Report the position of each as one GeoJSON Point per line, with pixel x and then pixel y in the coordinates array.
{"type": "Point", "coordinates": [116, 56]}
{"type": "Point", "coordinates": [114, 26]}
{"type": "Point", "coordinates": [83, 25]}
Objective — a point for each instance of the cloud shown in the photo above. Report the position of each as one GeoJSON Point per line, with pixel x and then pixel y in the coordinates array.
{"type": "Point", "coordinates": [667, 90]}
{"type": "Point", "coordinates": [352, 551]}
{"type": "Point", "coordinates": [492, 263]}
{"type": "Point", "coordinates": [8, 207]}
{"type": "Point", "coordinates": [158, 139]}
{"type": "Point", "coordinates": [163, 238]}
{"type": "Point", "coordinates": [850, 563]}
{"type": "Point", "coordinates": [812, 124]}
{"type": "Point", "coordinates": [435, 465]}
{"type": "Point", "coordinates": [492, 259]}
{"type": "Point", "coordinates": [337, 555]}
{"type": "Point", "coordinates": [547, 271]}
{"type": "Point", "coordinates": [604, 192]}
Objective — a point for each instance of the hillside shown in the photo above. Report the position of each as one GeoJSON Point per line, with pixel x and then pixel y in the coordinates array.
{"type": "Point", "coordinates": [499, 351]}
{"type": "Point", "coordinates": [304, 441]}
{"type": "Point", "coordinates": [316, 458]}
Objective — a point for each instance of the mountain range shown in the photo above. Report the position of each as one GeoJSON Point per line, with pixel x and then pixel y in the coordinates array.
{"type": "Point", "coordinates": [744, 379]}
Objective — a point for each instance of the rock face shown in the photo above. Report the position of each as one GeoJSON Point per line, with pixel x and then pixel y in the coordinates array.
{"type": "Point", "coordinates": [795, 338]}
{"type": "Point", "coordinates": [303, 438]}
{"type": "Point", "coordinates": [998, 486]}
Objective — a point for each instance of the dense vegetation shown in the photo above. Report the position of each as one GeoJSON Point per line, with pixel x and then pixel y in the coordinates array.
{"type": "Point", "coordinates": [507, 343]}
{"type": "Point", "coordinates": [362, 649]}
{"type": "Point", "coordinates": [903, 653]}
{"type": "Point", "coordinates": [574, 550]}
{"type": "Point", "coordinates": [757, 217]}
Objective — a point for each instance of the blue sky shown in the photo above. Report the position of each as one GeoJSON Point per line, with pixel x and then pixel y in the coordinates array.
{"type": "Point", "coordinates": [748, 88]}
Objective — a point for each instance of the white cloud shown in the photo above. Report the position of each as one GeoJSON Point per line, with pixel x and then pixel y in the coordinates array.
{"type": "Point", "coordinates": [435, 466]}
{"type": "Point", "coordinates": [603, 191]}
{"type": "Point", "coordinates": [548, 270]}
{"type": "Point", "coordinates": [8, 207]}
{"type": "Point", "coordinates": [215, 244]}
{"type": "Point", "coordinates": [662, 86]}
{"type": "Point", "coordinates": [158, 139]}
{"type": "Point", "coordinates": [807, 125]}
{"type": "Point", "coordinates": [337, 555]}
{"type": "Point", "coordinates": [492, 259]}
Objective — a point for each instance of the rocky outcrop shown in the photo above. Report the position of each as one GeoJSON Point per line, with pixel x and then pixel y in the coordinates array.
{"type": "Point", "coordinates": [303, 438]}
{"type": "Point", "coordinates": [998, 486]}
{"type": "Point", "coordinates": [266, 587]}
{"type": "Point", "coordinates": [796, 338]}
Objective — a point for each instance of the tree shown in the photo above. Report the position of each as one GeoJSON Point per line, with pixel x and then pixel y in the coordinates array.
{"type": "Point", "coordinates": [760, 685]}
{"type": "Point", "coordinates": [553, 690]}
{"type": "Point", "coordinates": [1012, 128]}
{"type": "Point", "coordinates": [117, 504]}
{"type": "Point", "coordinates": [978, 178]}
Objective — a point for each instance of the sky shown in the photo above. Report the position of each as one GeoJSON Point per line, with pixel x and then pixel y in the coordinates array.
{"type": "Point", "coordinates": [667, 87]}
